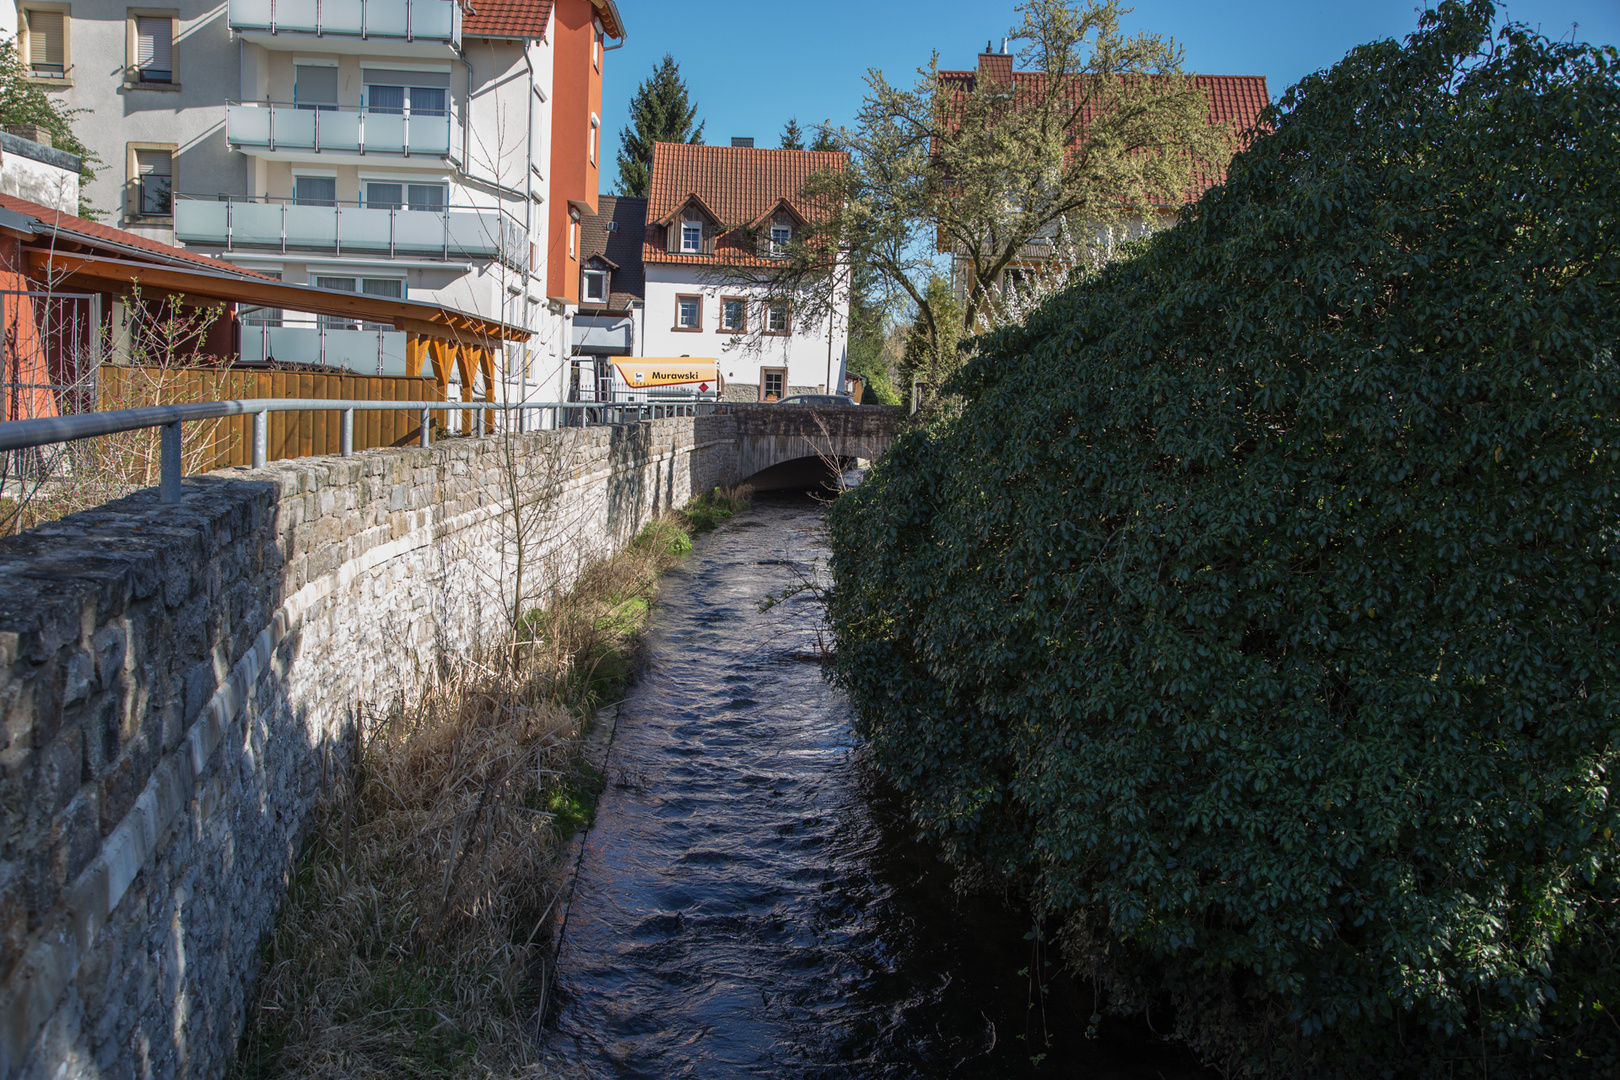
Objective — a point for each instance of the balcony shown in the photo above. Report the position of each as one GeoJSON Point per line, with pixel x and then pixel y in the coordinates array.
{"type": "Point", "coordinates": [396, 27]}
{"type": "Point", "coordinates": [340, 134]}
{"type": "Point", "coordinates": [454, 232]}
{"type": "Point", "coordinates": [294, 338]}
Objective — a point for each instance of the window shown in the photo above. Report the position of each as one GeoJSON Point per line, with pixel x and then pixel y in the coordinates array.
{"type": "Point", "coordinates": [770, 383]}
{"type": "Point", "coordinates": [688, 313]}
{"type": "Point", "coordinates": [154, 182]}
{"type": "Point", "coordinates": [411, 93]}
{"type": "Point", "coordinates": [733, 314]}
{"type": "Point", "coordinates": [315, 86]}
{"type": "Point", "coordinates": [573, 234]}
{"type": "Point", "coordinates": [593, 137]}
{"type": "Point", "coordinates": [691, 237]}
{"type": "Point", "coordinates": [595, 286]}
{"type": "Point", "coordinates": [315, 190]}
{"type": "Point", "coordinates": [154, 49]}
{"type": "Point", "coordinates": [781, 236]}
{"type": "Point", "coordinates": [392, 288]}
{"type": "Point", "coordinates": [596, 44]}
{"type": "Point", "coordinates": [776, 317]}
{"type": "Point", "coordinates": [387, 195]}
{"type": "Point", "coordinates": [47, 42]}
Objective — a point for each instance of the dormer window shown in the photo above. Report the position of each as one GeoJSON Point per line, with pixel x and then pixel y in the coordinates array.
{"type": "Point", "coordinates": [691, 237]}
{"type": "Point", "coordinates": [594, 288]}
{"type": "Point", "coordinates": [781, 236]}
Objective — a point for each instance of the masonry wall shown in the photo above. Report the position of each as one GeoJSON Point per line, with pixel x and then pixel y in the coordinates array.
{"type": "Point", "coordinates": [177, 685]}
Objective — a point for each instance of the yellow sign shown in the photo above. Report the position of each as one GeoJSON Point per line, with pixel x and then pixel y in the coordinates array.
{"type": "Point", "coordinates": [647, 371]}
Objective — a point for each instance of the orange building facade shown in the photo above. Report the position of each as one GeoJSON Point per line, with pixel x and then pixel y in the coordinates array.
{"type": "Point", "coordinates": [580, 28]}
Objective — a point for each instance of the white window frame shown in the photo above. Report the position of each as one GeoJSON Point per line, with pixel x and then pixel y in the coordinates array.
{"type": "Point", "coordinates": [780, 243]}
{"type": "Point", "coordinates": [688, 227]}
{"type": "Point", "coordinates": [598, 275]}
{"type": "Point", "coordinates": [696, 301]}
{"type": "Point", "coordinates": [594, 138]}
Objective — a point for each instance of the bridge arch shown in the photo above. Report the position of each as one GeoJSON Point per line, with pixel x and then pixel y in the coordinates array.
{"type": "Point", "coordinates": [781, 446]}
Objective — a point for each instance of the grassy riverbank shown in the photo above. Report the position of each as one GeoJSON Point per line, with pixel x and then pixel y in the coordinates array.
{"type": "Point", "coordinates": [423, 903]}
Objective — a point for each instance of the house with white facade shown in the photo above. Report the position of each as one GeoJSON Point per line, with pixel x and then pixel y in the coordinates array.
{"type": "Point", "coordinates": [717, 216]}
{"type": "Point", "coordinates": [430, 150]}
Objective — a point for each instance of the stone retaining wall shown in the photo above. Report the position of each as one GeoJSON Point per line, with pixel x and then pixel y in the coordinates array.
{"type": "Point", "coordinates": [178, 684]}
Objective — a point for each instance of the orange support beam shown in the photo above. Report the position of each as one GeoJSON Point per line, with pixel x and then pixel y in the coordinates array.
{"type": "Point", "coordinates": [486, 364]}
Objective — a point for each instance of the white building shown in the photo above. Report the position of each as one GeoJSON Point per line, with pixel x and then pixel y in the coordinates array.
{"type": "Point", "coordinates": [401, 148]}
{"type": "Point", "coordinates": [713, 216]}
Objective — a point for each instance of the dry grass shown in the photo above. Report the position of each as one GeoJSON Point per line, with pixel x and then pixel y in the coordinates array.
{"type": "Point", "coordinates": [416, 936]}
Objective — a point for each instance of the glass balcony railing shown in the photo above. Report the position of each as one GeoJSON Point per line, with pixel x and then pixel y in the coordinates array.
{"type": "Point", "coordinates": [343, 130]}
{"type": "Point", "coordinates": [398, 20]}
{"type": "Point", "coordinates": [452, 232]}
{"type": "Point", "coordinates": [297, 338]}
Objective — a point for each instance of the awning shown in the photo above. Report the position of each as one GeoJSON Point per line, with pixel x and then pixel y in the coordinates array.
{"type": "Point", "coordinates": [647, 371]}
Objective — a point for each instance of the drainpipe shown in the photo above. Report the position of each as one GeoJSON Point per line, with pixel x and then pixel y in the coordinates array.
{"type": "Point", "coordinates": [528, 218]}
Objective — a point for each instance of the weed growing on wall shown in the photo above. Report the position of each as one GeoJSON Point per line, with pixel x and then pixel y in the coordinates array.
{"type": "Point", "coordinates": [1255, 616]}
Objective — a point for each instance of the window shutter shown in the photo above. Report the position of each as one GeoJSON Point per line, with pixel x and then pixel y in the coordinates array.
{"type": "Point", "coordinates": [154, 47]}
{"type": "Point", "coordinates": [315, 85]}
{"type": "Point", "coordinates": [45, 38]}
{"type": "Point", "coordinates": [710, 231]}
{"type": "Point", "coordinates": [672, 234]}
{"type": "Point", "coordinates": [153, 162]}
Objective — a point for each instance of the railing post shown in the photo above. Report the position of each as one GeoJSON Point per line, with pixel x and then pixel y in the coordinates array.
{"type": "Point", "coordinates": [425, 435]}
{"type": "Point", "coordinates": [169, 464]}
{"type": "Point", "coordinates": [346, 436]}
{"type": "Point", "coordinates": [230, 207]}
{"type": "Point", "coordinates": [261, 439]}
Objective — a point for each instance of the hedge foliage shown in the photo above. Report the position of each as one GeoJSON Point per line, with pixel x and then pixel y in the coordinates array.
{"type": "Point", "coordinates": [1256, 615]}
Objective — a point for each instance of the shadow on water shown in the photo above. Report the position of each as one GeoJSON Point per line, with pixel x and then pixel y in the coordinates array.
{"type": "Point", "coordinates": [751, 901]}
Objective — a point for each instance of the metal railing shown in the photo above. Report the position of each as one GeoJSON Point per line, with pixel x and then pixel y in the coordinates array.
{"type": "Point", "coordinates": [408, 20]}
{"type": "Point", "coordinates": [49, 431]}
{"type": "Point", "coordinates": [339, 227]}
{"type": "Point", "coordinates": [322, 128]}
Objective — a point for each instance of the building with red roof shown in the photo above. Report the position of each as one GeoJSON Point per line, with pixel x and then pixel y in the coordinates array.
{"type": "Point", "coordinates": [717, 220]}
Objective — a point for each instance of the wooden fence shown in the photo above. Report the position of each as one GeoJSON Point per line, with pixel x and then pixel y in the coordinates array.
{"type": "Point", "coordinates": [292, 434]}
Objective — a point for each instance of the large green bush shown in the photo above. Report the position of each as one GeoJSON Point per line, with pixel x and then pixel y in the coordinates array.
{"type": "Point", "coordinates": [1256, 615]}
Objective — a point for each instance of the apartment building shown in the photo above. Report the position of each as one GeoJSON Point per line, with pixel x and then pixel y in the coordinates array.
{"type": "Point", "coordinates": [418, 149]}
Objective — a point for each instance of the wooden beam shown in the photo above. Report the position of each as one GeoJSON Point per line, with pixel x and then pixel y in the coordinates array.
{"type": "Point", "coordinates": [439, 350]}
{"type": "Point", "coordinates": [112, 275]}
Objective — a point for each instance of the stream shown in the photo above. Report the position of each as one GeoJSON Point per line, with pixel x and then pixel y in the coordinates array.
{"type": "Point", "coordinates": [751, 901]}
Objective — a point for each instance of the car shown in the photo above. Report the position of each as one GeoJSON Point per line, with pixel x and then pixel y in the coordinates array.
{"type": "Point", "coordinates": [818, 399]}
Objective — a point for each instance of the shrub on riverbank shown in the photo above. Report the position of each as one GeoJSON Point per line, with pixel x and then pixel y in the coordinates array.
{"type": "Point", "coordinates": [411, 936]}
{"type": "Point", "coordinates": [1269, 645]}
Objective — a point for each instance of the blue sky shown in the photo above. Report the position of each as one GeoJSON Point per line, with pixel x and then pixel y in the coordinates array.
{"type": "Point", "coordinates": [751, 65]}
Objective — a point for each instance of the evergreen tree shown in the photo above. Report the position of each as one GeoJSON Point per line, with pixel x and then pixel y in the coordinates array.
{"type": "Point", "coordinates": [826, 137]}
{"type": "Point", "coordinates": [659, 112]}
{"type": "Point", "coordinates": [792, 135]}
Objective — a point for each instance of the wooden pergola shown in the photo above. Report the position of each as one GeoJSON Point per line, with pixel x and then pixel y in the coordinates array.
{"type": "Point", "coordinates": [450, 340]}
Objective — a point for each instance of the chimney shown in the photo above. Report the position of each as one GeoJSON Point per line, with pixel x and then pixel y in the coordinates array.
{"type": "Point", "coordinates": [742, 140]}
{"type": "Point", "coordinates": [995, 66]}
{"type": "Point", "coordinates": [1004, 47]}
{"type": "Point", "coordinates": [31, 132]}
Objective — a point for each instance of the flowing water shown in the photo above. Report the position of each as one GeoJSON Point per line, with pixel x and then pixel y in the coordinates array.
{"type": "Point", "coordinates": [750, 900]}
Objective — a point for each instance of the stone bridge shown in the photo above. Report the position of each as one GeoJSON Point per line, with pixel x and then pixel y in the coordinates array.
{"type": "Point", "coordinates": [796, 446]}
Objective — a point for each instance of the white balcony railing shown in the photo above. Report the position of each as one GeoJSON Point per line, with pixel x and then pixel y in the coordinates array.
{"type": "Point", "coordinates": [402, 20]}
{"type": "Point", "coordinates": [454, 232]}
{"type": "Point", "coordinates": [281, 126]}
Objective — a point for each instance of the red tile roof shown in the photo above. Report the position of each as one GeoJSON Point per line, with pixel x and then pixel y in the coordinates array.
{"type": "Point", "coordinates": [526, 18]}
{"type": "Point", "coordinates": [506, 18]}
{"type": "Point", "coordinates": [1233, 99]}
{"type": "Point", "coordinates": [95, 230]}
{"type": "Point", "coordinates": [738, 184]}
